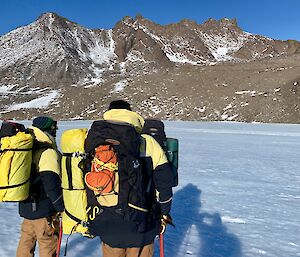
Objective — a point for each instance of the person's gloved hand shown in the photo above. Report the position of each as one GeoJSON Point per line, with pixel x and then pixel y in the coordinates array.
{"type": "Point", "coordinates": [165, 220]}
{"type": "Point", "coordinates": [54, 221]}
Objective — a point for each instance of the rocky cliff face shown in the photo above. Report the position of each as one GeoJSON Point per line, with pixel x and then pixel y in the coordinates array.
{"type": "Point", "coordinates": [178, 71]}
{"type": "Point", "coordinates": [53, 50]}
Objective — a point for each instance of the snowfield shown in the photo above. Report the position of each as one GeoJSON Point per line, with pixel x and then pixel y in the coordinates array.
{"type": "Point", "coordinates": [238, 194]}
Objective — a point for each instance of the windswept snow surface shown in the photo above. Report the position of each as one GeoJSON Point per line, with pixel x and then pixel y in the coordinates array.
{"type": "Point", "coordinates": [238, 194]}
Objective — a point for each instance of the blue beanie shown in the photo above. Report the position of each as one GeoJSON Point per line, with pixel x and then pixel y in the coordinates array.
{"type": "Point", "coordinates": [44, 123]}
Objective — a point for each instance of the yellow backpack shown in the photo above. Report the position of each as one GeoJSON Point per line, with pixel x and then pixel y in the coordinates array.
{"type": "Point", "coordinates": [74, 194]}
{"type": "Point", "coordinates": [15, 166]}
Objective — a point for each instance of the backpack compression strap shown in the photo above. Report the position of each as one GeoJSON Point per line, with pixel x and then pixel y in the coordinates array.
{"type": "Point", "coordinates": [69, 170]}
{"type": "Point", "coordinates": [15, 150]}
{"type": "Point", "coordinates": [17, 185]}
{"type": "Point", "coordinates": [28, 149]}
{"type": "Point", "coordinates": [69, 157]}
{"type": "Point", "coordinates": [79, 221]}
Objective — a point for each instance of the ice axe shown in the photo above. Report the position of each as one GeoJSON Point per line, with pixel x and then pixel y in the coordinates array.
{"type": "Point", "coordinates": [165, 220]}
{"type": "Point", "coordinates": [59, 237]}
{"type": "Point", "coordinates": [161, 245]}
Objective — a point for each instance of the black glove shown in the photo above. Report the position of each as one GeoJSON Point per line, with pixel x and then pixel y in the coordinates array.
{"type": "Point", "coordinates": [165, 220]}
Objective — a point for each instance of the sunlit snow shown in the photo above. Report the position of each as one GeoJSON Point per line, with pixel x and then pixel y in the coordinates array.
{"type": "Point", "coordinates": [40, 102]}
{"type": "Point", "coordinates": [6, 89]}
{"type": "Point", "coordinates": [102, 53]}
{"type": "Point", "coordinates": [120, 86]}
{"type": "Point", "coordinates": [238, 194]}
{"type": "Point", "coordinates": [223, 45]}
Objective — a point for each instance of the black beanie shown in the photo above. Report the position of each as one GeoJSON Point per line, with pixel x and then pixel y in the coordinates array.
{"type": "Point", "coordinates": [44, 123]}
{"type": "Point", "coordinates": [119, 104]}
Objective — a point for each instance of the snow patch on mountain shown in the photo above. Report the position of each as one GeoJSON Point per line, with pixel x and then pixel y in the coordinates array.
{"type": "Point", "coordinates": [100, 52]}
{"type": "Point", "coordinates": [222, 46]}
{"type": "Point", "coordinates": [40, 102]}
{"type": "Point", "coordinates": [178, 57]}
{"type": "Point", "coordinates": [119, 86]}
{"type": "Point", "coordinates": [6, 89]}
{"type": "Point", "coordinates": [135, 56]}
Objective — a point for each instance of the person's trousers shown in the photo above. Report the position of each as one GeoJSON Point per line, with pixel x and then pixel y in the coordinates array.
{"type": "Point", "coordinates": [40, 231]}
{"type": "Point", "coordinates": [146, 251]}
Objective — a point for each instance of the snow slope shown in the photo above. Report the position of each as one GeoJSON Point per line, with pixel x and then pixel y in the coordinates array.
{"type": "Point", "coordinates": [239, 194]}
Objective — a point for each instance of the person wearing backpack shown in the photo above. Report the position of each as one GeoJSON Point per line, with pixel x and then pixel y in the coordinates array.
{"type": "Point", "coordinates": [127, 222]}
{"type": "Point", "coordinates": [41, 209]}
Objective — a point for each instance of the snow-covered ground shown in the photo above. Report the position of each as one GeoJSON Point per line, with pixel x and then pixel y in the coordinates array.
{"type": "Point", "coordinates": [238, 194]}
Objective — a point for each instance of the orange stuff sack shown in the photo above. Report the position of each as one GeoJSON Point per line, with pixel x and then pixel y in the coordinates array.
{"type": "Point", "coordinates": [101, 179]}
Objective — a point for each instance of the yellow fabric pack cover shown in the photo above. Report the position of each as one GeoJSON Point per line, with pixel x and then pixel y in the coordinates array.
{"type": "Point", "coordinates": [45, 158]}
{"type": "Point", "coordinates": [74, 194]}
{"type": "Point", "coordinates": [15, 167]}
{"type": "Point", "coordinates": [123, 115]}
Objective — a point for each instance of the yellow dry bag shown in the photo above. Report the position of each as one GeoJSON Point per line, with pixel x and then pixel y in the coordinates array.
{"type": "Point", "coordinates": [74, 194]}
{"type": "Point", "coordinates": [15, 167]}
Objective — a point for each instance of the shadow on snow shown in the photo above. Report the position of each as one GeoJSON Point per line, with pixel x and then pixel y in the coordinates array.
{"type": "Point", "coordinates": [214, 238]}
{"type": "Point", "coordinates": [80, 246]}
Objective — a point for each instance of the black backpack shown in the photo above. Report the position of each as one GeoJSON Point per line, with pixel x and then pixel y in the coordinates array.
{"type": "Point", "coordinates": [9, 128]}
{"type": "Point", "coordinates": [156, 129]}
{"type": "Point", "coordinates": [132, 195]}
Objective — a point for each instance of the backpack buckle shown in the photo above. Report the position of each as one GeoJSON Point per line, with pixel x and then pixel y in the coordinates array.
{"type": "Point", "coordinates": [85, 224]}
{"type": "Point", "coordinates": [79, 155]}
{"type": "Point", "coordinates": [136, 164]}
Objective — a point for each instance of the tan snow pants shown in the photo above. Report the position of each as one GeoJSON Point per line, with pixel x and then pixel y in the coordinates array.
{"type": "Point", "coordinates": [108, 251]}
{"type": "Point", "coordinates": [40, 231]}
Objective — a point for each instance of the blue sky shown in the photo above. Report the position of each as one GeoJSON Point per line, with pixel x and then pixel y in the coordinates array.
{"type": "Point", "coordinates": [273, 18]}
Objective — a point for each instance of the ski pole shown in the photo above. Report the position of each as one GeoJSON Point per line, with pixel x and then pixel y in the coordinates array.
{"type": "Point", "coordinates": [161, 245]}
{"type": "Point", "coordinates": [59, 237]}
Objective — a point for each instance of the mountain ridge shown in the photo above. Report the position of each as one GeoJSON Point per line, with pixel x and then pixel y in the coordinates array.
{"type": "Point", "coordinates": [54, 58]}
